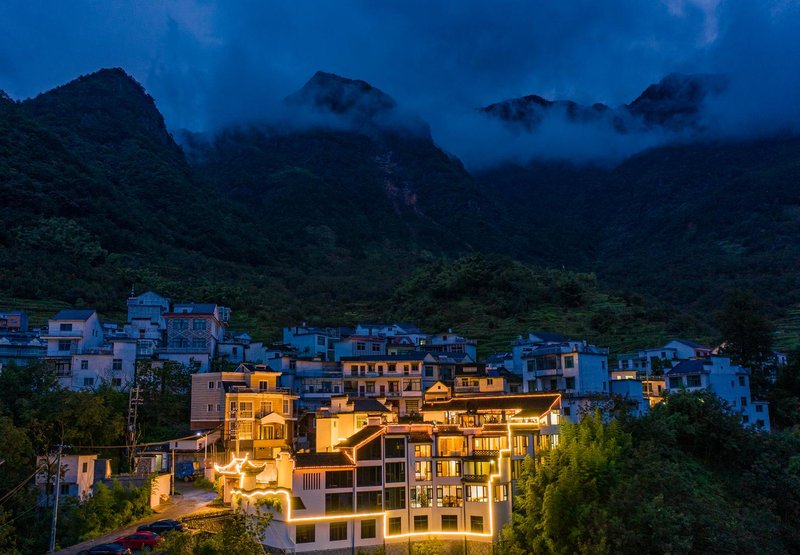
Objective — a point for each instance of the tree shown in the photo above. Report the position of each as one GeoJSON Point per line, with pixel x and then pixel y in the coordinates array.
{"type": "Point", "coordinates": [746, 330]}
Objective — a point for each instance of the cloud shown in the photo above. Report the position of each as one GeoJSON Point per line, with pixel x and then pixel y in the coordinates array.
{"type": "Point", "coordinates": [213, 63]}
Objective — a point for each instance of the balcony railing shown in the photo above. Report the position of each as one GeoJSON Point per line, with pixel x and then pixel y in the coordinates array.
{"type": "Point", "coordinates": [476, 478]}
{"type": "Point", "coordinates": [71, 334]}
{"type": "Point", "coordinates": [485, 452]}
{"type": "Point", "coordinates": [549, 372]}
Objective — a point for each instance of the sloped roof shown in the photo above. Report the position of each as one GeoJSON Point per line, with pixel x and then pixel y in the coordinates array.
{"type": "Point", "coordinates": [368, 405]}
{"type": "Point", "coordinates": [548, 336]}
{"type": "Point", "coordinates": [318, 460]}
{"type": "Point", "coordinates": [70, 314]}
{"type": "Point", "coordinates": [194, 308]}
{"type": "Point", "coordinates": [534, 402]}
{"type": "Point", "coordinates": [360, 436]}
{"type": "Point", "coordinates": [419, 437]}
{"type": "Point", "coordinates": [691, 344]}
{"type": "Point", "coordinates": [689, 367]}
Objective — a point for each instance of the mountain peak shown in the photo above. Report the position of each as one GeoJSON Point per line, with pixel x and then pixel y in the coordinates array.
{"type": "Point", "coordinates": [340, 95]}
{"type": "Point", "coordinates": [108, 105]}
{"type": "Point", "coordinates": [677, 100]}
{"type": "Point", "coordinates": [529, 111]}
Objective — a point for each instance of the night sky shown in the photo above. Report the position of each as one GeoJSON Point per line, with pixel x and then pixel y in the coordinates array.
{"type": "Point", "coordinates": [209, 64]}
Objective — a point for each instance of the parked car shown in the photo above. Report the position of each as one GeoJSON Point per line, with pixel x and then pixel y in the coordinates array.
{"type": "Point", "coordinates": [139, 540]}
{"type": "Point", "coordinates": [107, 549]}
{"type": "Point", "coordinates": [161, 526]}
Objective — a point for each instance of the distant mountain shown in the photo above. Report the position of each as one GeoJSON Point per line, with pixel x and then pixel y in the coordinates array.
{"type": "Point", "coordinates": [675, 104]}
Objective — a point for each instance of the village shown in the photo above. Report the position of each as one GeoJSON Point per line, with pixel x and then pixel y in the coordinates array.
{"type": "Point", "coordinates": [358, 438]}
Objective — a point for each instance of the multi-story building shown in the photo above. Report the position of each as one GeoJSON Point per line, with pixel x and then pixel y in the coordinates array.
{"type": "Point", "coordinates": [21, 348]}
{"type": "Point", "coordinates": [311, 341]}
{"type": "Point", "coordinates": [71, 332]}
{"type": "Point", "coordinates": [450, 342]}
{"type": "Point", "coordinates": [477, 378]}
{"type": "Point", "coordinates": [193, 334]}
{"type": "Point", "coordinates": [360, 346]}
{"type": "Point", "coordinates": [398, 378]}
{"type": "Point", "coordinates": [79, 474]}
{"type": "Point", "coordinates": [398, 333]}
{"type": "Point", "coordinates": [256, 415]}
{"type": "Point", "coordinates": [729, 382]}
{"type": "Point", "coordinates": [655, 360]}
{"type": "Point", "coordinates": [112, 363]}
{"type": "Point", "coordinates": [575, 368]}
{"type": "Point", "coordinates": [14, 320]}
{"type": "Point", "coordinates": [146, 323]}
{"type": "Point", "coordinates": [389, 485]}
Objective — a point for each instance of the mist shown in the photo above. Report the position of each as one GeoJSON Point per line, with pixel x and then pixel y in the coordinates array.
{"type": "Point", "coordinates": [212, 64]}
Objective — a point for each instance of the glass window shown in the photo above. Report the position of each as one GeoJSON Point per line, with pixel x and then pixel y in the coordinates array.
{"type": "Point", "coordinates": [570, 383]}
{"type": "Point", "coordinates": [395, 498]}
{"type": "Point", "coordinates": [369, 476]}
{"type": "Point", "coordinates": [338, 479]}
{"type": "Point", "coordinates": [449, 522]}
{"type": "Point", "coordinates": [692, 381]}
{"type": "Point", "coordinates": [116, 364]}
{"type": "Point", "coordinates": [422, 471]}
{"type": "Point", "coordinates": [199, 324]}
{"type": "Point", "coordinates": [368, 529]}
{"type": "Point", "coordinates": [338, 531]}
{"type": "Point", "coordinates": [371, 451]}
{"type": "Point", "coordinates": [84, 365]}
{"type": "Point", "coordinates": [501, 492]}
{"type": "Point", "coordinates": [675, 383]}
{"type": "Point", "coordinates": [422, 450]}
{"type": "Point", "coordinates": [304, 533]}
{"type": "Point", "coordinates": [741, 381]}
{"type": "Point", "coordinates": [476, 524]}
{"type": "Point", "coordinates": [449, 496]}
{"type": "Point", "coordinates": [569, 361]}
{"type": "Point", "coordinates": [369, 501]}
{"type": "Point", "coordinates": [64, 345]}
{"type": "Point", "coordinates": [421, 496]}
{"type": "Point", "coordinates": [448, 468]}
{"type": "Point", "coordinates": [65, 327]}
{"type": "Point", "coordinates": [338, 503]}
{"type": "Point", "coordinates": [395, 447]}
{"type": "Point", "coordinates": [420, 523]}
{"type": "Point", "coordinates": [396, 472]}
{"type": "Point", "coordinates": [395, 525]}
{"type": "Point", "coordinates": [478, 494]}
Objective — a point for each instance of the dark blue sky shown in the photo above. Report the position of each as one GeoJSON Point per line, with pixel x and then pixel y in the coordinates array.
{"type": "Point", "coordinates": [209, 63]}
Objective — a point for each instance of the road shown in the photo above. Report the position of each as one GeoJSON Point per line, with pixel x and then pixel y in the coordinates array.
{"type": "Point", "coordinates": [192, 500]}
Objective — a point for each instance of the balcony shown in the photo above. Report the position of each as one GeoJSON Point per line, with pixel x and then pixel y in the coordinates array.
{"type": "Point", "coordinates": [548, 372]}
{"type": "Point", "coordinates": [482, 478]}
{"type": "Point", "coordinates": [493, 453]}
{"type": "Point", "coordinates": [240, 415]}
{"type": "Point", "coordinates": [394, 393]}
{"type": "Point", "coordinates": [72, 334]}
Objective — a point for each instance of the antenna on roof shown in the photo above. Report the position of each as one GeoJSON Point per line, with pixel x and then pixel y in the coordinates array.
{"type": "Point", "coordinates": [133, 293]}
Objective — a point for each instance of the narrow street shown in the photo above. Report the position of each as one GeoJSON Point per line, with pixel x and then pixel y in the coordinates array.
{"type": "Point", "coordinates": [190, 501]}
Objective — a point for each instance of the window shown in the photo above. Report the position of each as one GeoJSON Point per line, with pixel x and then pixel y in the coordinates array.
{"type": "Point", "coordinates": [760, 423]}
{"type": "Point", "coordinates": [370, 387]}
{"type": "Point", "coordinates": [392, 368]}
{"type": "Point", "coordinates": [567, 411]}
{"type": "Point", "coordinates": [198, 343]}
{"type": "Point", "coordinates": [369, 476]}
{"type": "Point", "coordinates": [449, 496]}
{"type": "Point", "coordinates": [428, 374]}
{"type": "Point", "coordinates": [85, 467]}
{"type": "Point", "coordinates": [287, 407]}
{"type": "Point", "coordinates": [198, 324]}
{"type": "Point", "coordinates": [209, 408]}
{"type": "Point", "coordinates": [369, 501]}
{"type": "Point", "coordinates": [395, 525]}
{"type": "Point", "coordinates": [376, 347]}
{"type": "Point", "coordinates": [759, 408]}
{"type": "Point", "coordinates": [311, 481]}
{"type": "Point", "coordinates": [338, 531]}
{"type": "Point", "coordinates": [692, 381]}
{"type": "Point", "coordinates": [478, 494]}
{"type": "Point", "coordinates": [675, 383]}
{"type": "Point", "coordinates": [396, 472]}
{"type": "Point", "coordinates": [421, 496]}
{"type": "Point", "coordinates": [304, 533]}
{"type": "Point", "coordinates": [371, 451]}
{"type": "Point", "coordinates": [321, 340]}
{"type": "Point", "coordinates": [449, 522]}
{"type": "Point", "coordinates": [354, 370]}
{"type": "Point", "coordinates": [422, 470]}
{"type": "Point", "coordinates": [741, 381]}
{"type": "Point", "coordinates": [339, 479]}
{"type": "Point", "coordinates": [745, 419]}
{"type": "Point", "coordinates": [744, 401]}
{"type": "Point", "coordinates": [570, 383]}
{"type": "Point", "coordinates": [368, 529]}
{"type": "Point", "coordinates": [476, 524]}
{"type": "Point", "coordinates": [501, 492]}
{"type": "Point", "coordinates": [219, 407]}
{"type": "Point", "coordinates": [84, 365]}
{"type": "Point", "coordinates": [116, 364]}
{"type": "Point", "coordinates": [422, 450]}
{"type": "Point", "coordinates": [395, 498]}
{"type": "Point", "coordinates": [64, 345]}
{"type": "Point", "coordinates": [64, 489]}
{"type": "Point", "coordinates": [395, 447]}
{"type": "Point", "coordinates": [569, 361]}
{"type": "Point", "coordinates": [421, 523]}
{"type": "Point", "coordinates": [361, 346]}
{"type": "Point", "coordinates": [116, 382]}
{"type": "Point", "coordinates": [210, 385]}
{"type": "Point", "coordinates": [338, 503]}
{"type": "Point", "coordinates": [448, 468]}
{"type": "Point", "coordinates": [88, 382]}
{"type": "Point", "coordinates": [181, 325]}
{"type": "Point", "coordinates": [65, 327]}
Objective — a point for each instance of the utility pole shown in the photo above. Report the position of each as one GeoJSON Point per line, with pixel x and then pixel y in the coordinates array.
{"type": "Point", "coordinates": [172, 476]}
{"type": "Point", "coordinates": [55, 505]}
{"type": "Point", "coordinates": [134, 401]}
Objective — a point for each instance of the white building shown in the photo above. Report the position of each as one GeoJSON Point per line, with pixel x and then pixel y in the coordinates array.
{"type": "Point", "coordinates": [71, 332]}
{"type": "Point", "coordinates": [729, 382]}
{"type": "Point", "coordinates": [79, 474]}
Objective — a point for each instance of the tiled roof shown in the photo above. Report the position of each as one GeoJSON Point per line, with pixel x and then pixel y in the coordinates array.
{"type": "Point", "coordinates": [74, 315]}
{"type": "Point", "coordinates": [535, 402]}
{"type": "Point", "coordinates": [316, 460]}
{"type": "Point", "coordinates": [419, 437]}
{"type": "Point", "coordinates": [369, 405]}
{"type": "Point", "coordinates": [362, 435]}
{"type": "Point", "coordinates": [689, 367]}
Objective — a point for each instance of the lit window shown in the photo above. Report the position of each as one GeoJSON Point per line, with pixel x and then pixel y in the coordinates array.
{"type": "Point", "coordinates": [449, 522]}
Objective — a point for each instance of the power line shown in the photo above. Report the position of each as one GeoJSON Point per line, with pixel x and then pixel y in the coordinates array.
{"type": "Point", "coordinates": [150, 444]}
{"type": "Point", "coordinates": [22, 483]}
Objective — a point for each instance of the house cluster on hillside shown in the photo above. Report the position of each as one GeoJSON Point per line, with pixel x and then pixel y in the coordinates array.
{"type": "Point", "coordinates": [378, 435]}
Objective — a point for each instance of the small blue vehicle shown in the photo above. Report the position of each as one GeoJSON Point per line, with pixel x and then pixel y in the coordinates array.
{"type": "Point", "coordinates": [187, 471]}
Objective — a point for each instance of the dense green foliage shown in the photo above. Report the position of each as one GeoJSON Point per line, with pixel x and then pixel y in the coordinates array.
{"type": "Point", "coordinates": [240, 534]}
{"type": "Point", "coordinates": [36, 415]}
{"type": "Point", "coordinates": [687, 478]}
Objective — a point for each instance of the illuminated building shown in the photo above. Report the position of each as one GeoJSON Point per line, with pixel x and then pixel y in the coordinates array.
{"type": "Point", "coordinates": [450, 478]}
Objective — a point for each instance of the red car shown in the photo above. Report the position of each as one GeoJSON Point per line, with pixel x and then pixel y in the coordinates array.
{"type": "Point", "coordinates": [139, 540]}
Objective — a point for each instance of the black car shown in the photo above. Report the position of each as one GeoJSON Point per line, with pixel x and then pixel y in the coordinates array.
{"type": "Point", "coordinates": [107, 548]}
{"type": "Point", "coordinates": [161, 526]}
